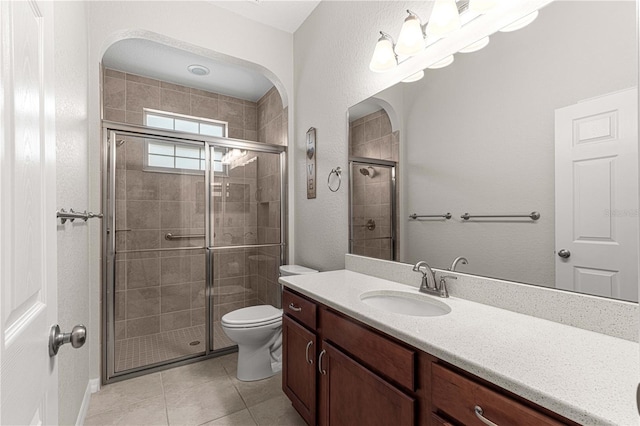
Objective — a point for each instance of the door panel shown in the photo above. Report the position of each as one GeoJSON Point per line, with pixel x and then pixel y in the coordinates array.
{"type": "Point", "coordinates": [245, 232]}
{"type": "Point", "coordinates": [354, 395]}
{"type": "Point", "coordinates": [27, 216]}
{"type": "Point", "coordinates": [299, 367]}
{"type": "Point", "coordinates": [158, 294]}
{"type": "Point", "coordinates": [597, 196]}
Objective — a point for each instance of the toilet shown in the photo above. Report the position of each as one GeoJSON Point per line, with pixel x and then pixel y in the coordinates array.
{"type": "Point", "coordinates": [257, 330]}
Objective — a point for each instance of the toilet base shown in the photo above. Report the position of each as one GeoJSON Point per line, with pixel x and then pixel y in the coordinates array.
{"type": "Point", "coordinates": [256, 364]}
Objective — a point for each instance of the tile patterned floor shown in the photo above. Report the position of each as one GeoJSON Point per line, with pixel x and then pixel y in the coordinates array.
{"type": "Point", "coordinates": [204, 393]}
{"type": "Point", "coordinates": [146, 350]}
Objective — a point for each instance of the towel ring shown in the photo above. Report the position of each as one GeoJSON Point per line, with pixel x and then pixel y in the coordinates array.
{"type": "Point", "coordinates": [338, 172]}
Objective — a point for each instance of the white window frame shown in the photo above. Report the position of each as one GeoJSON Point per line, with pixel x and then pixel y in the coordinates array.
{"type": "Point", "coordinates": [199, 120]}
{"type": "Point", "coordinates": [174, 116]}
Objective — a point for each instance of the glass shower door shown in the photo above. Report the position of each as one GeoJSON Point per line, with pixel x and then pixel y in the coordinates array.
{"type": "Point", "coordinates": [156, 251]}
{"type": "Point", "coordinates": [246, 229]}
{"type": "Point", "coordinates": [372, 220]}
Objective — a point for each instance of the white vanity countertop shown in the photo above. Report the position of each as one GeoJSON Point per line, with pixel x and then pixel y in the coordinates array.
{"type": "Point", "coordinates": [588, 377]}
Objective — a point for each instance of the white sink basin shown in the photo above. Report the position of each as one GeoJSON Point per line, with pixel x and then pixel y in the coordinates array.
{"type": "Point", "coordinates": [404, 303]}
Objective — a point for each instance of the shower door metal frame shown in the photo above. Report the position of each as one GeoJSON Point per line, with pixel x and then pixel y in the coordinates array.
{"type": "Point", "coordinates": [374, 162]}
{"type": "Point", "coordinates": [108, 181]}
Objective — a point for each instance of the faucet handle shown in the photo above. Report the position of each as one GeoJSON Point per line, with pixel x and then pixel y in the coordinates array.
{"type": "Point", "coordinates": [443, 285]}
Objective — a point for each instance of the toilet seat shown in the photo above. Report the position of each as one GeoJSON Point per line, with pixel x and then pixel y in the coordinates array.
{"type": "Point", "coordinates": [252, 316]}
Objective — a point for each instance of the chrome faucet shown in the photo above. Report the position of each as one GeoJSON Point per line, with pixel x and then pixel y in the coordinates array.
{"type": "Point", "coordinates": [428, 284]}
{"type": "Point", "coordinates": [457, 260]}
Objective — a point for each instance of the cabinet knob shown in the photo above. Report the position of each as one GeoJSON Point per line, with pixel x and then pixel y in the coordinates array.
{"type": "Point", "coordinates": [480, 415]}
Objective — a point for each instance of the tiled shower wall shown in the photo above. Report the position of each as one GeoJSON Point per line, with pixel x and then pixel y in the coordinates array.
{"type": "Point", "coordinates": [157, 291]}
{"type": "Point", "coordinates": [372, 137]}
{"type": "Point", "coordinates": [125, 95]}
{"type": "Point", "coordinates": [161, 292]}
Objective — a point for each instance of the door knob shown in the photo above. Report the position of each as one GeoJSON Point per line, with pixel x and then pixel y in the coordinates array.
{"type": "Point", "coordinates": [565, 254]}
{"type": "Point", "coordinates": [77, 337]}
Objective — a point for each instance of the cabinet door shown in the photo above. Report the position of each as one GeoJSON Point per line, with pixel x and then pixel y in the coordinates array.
{"type": "Point", "coordinates": [353, 395]}
{"type": "Point", "coordinates": [298, 368]}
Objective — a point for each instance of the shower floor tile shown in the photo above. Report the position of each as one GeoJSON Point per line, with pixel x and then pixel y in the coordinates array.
{"type": "Point", "coordinates": [151, 349]}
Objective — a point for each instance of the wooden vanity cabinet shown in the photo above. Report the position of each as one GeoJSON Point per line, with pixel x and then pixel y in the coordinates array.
{"type": "Point", "coordinates": [299, 354]}
{"type": "Point", "coordinates": [338, 371]}
{"type": "Point", "coordinates": [351, 394]}
{"type": "Point", "coordinates": [464, 400]}
{"type": "Point", "coordinates": [298, 367]}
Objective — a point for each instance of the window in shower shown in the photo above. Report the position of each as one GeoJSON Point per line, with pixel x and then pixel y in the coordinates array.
{"type": "Point", "coordinates": [184, 123]}
{"type": "Point", "coordinates": [177, 158]}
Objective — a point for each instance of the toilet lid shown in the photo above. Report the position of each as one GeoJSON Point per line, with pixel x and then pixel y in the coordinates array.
{"type": "Point", "coordinates": [253, 315]}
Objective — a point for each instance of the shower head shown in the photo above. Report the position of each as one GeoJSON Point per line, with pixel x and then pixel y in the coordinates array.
{"type": "Point", "coordinates": [368, 171]}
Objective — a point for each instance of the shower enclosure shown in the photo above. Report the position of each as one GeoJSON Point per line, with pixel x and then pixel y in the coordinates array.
{"type": "Point", "coordinates": [372, 208]}
{"type": "Point", "coordinates": [194, 229]}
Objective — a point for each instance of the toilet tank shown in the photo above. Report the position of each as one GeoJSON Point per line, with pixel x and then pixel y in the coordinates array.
{"type": "Point", "coordinates": [289, 270]}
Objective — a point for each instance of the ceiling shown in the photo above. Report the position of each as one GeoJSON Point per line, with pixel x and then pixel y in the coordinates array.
{"type": "Point", "coordinates": [162, 62]}
{"type": "Point", "coordinates": [283, 15]}
{"type": "Point", "coordinates": [155, 60]}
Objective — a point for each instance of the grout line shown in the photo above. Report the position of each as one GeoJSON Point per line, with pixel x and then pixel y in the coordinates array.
{"type": "Point", "coordinates": [164, 396]}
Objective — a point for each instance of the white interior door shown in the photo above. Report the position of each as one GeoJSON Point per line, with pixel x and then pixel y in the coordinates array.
{"type": "Point", "coordinates": [28, 299]}
{"type": "Point", "coordinates": [597, 196]}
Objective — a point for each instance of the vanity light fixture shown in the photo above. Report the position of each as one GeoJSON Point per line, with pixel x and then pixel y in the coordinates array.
{"type": "Point", "coordinates": [474, 47]}
{"type": "Point", "coordinates": [415, 77]}
{"type": "Point", "coordinates": [481, 6]}
{"type": "Point", "coordinates": [520, 23]}
{"type": "Point", "coordinates": [384, 58]}
{"type": "Point", "coordinates": [411, 40]}
{"type": "Point", "coordinates": [442, 63]}
{"type": "Point", "coordinates": [444, 19]}
{"type": "Point", "coordinates": [446, 16]}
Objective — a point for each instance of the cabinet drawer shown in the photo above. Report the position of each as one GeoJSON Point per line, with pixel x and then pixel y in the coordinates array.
{"type": "Point", "coordinates": [457, 396]}
{"type": "Point", "coordinates": [299, 308]}
{"type": "Point", "coordinates": [377, 352]}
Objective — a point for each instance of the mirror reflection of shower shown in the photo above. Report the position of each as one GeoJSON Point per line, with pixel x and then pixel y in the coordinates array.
{"type": "Point", "coordinates": [368, 171]}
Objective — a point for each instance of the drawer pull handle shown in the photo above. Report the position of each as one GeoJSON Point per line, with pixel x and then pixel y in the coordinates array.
{"type": "Point", "coordinates": [294, 307]}
{"type": "Point", "coordinates": [306, 353]}
{"type": "Point", "coordinates": [480, 414]}
{"type": "Point", "coordinates": [324, 372]}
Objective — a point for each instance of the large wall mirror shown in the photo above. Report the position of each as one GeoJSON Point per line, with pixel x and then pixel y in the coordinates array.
{"type": "Point", "coordinates": [543, 119]}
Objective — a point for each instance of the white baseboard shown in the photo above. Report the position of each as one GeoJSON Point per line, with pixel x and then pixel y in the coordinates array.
{"type": "Point", "coordinates": [93, 386]}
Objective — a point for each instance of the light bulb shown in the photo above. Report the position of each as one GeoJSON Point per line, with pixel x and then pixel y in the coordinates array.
{"type": "Point", "coordinates": [520, 23]}
{"type": "Point", "coordinates": [414, 77]}
{"type": "Point", "coordinates": [384, 58]}
{"type": "Point", "coordinates": [481, 6]}
{"type": "Point", "coordinates": [442, 63]}
{"type": "Point", "coordinates": [474, 47]}
{"type": "Point", "coordinates": [444, 18]}
{"type": "Point", "coordinates": [411, 39]}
